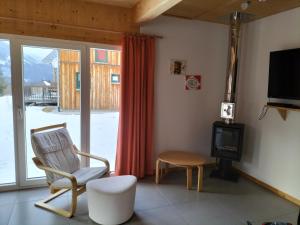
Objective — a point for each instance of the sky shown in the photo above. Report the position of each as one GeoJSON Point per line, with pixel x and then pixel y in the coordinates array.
{"type": "Point", "coordinates": [37, 52]}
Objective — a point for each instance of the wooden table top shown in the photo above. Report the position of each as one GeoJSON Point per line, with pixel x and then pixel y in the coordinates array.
{"type": "Point", "coordinates": [184, 158]}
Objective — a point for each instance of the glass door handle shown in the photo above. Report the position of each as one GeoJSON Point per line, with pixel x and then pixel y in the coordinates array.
{"type": "Point", "coordinates": [20, 113]}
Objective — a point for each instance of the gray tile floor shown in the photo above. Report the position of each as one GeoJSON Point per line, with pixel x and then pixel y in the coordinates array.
{"type": "Point", "coordinates": [221, 203]}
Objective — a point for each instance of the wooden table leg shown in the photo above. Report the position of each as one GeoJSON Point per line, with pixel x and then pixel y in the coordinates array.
{"type": "Point", "coordinates": [200, 178]}
{"type": "Point", "coordinates": [189, 175]}
{"type": "Point", "coordinates": [157, 171]}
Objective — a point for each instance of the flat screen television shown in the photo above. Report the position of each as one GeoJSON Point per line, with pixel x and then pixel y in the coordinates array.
{"type": "Point", "coordinates": [284, 74]}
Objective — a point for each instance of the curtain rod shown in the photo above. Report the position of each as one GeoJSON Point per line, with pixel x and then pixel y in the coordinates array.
{"type": "Point", "coordinates": [74, 26]}
{"type": "Point", "coordinates": [143, 34]}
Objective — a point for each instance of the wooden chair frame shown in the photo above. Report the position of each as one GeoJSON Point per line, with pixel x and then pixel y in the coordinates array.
{"type": "Point", "coordinates": [75, 188]}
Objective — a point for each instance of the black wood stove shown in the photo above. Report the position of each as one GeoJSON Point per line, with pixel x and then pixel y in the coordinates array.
{"type": "Point", "coordinates": [227, 146]}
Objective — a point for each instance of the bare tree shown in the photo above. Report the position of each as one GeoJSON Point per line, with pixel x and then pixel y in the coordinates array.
{"type": "Point", "coordinates": [3, 84]}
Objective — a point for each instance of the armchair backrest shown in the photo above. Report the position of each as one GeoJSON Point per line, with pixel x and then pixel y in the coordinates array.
{"type": "Point", "coordinates": [55, 149]}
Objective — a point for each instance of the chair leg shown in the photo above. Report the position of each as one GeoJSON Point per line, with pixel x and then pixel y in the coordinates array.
{"type": "Point", "coordinates": [62, 212]}
{"type": "Point", "coordinates": [74, 201]}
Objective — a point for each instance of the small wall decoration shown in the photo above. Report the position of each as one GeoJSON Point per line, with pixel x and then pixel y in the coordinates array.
{"type": "Point", "coordinates": [193, 82]}
{"type": "Point", "coordinates": [178, 67]}
{"type": "Point", "coordinates": [227, 110]}
{"type": "Point", "coordinates": [115, 78]}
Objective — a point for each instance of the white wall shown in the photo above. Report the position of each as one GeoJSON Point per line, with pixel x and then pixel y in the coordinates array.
{"type": "Point", "coordinates": [183, 119]}
{"type": "Point", "coordinates": [272, 146]}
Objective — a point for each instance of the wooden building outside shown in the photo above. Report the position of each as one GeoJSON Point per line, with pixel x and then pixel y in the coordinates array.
{"type": "Point", "coordinates": [105, 79]}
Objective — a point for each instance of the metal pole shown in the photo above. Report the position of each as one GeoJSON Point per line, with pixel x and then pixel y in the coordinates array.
{"type": "Point", "coordinates": [231, 76]}
{"type": "Point", "coordinates": [232, 66]}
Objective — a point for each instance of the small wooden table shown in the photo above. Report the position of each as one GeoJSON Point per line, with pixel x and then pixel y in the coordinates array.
{"type": "Point", "coordinates": [187, 160]}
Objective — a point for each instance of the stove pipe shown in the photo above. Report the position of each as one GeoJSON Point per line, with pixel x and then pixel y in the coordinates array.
{"type": "Point", "coordinates": [232, 67]}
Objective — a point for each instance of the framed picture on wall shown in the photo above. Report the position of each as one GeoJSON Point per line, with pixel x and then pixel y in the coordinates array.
{"type": "Point", "coordinates": [178, 67]}
{"type": "Point", "coordinates": [192, 82]}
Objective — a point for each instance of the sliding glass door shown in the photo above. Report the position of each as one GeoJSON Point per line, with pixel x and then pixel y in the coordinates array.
{"type": "Point", "coordinates": [45, 82]}
{"type": "Point", "coordinates": [105, 69]}
{"type": "Point", "coordinates": [7, 156]}
{"type": "Point", "coordinates": [51, 94]}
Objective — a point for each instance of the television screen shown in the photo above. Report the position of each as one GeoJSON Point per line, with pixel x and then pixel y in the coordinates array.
{"type": "Point", "coordinates": [284, 74]}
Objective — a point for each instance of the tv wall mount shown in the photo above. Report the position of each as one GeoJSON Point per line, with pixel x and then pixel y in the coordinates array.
{"type": "Point", "coordinates": [282, 109]}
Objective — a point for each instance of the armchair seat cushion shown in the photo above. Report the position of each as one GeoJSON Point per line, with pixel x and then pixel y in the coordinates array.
{"type": "Point", "coordinates": [83, 175]}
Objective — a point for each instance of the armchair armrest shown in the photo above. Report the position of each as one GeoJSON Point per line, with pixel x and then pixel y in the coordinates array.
{"type": "Point", "coordinates": [105, 161]}
{"type": "Point", "coordinates": [71, 177]}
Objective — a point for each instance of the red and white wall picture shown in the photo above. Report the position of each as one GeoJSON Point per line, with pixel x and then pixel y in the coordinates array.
{"type": "Point", "coordinates": [192, 82]}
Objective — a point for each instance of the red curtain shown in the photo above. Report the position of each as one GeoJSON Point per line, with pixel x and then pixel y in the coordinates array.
{"type": "Point", "coordinates": [135, 135]}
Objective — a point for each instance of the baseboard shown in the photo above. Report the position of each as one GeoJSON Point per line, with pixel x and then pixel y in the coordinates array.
{"type": "Point", "coordinates": [269, 187]}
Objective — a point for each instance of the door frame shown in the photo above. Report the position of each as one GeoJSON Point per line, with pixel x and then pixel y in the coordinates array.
{"type": "Point", "coordinates": [16, 43]}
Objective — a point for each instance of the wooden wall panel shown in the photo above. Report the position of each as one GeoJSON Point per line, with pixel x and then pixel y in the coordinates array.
{"type": "Point", "coordinates": [68, 66]}
{"type": "Point", "coordinates": [103, 96]}
{"type": "Point", "coordinates": [66, 19]}
{"type": "Point", "coordinates": [122, 3]}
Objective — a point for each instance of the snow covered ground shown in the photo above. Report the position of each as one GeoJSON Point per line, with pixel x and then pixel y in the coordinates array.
{"type": "Point", "coordinates": [7, 157]}
{"type": "Point", "coordinates": [104, 126]}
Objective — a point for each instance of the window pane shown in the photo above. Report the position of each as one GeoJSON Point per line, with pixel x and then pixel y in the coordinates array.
{"type": "Point", "coordinates": [51, 94]}
{"type": "Point", "coordinates": [7, 156]}
{"type": "Point", "coordinates": [104, 95]}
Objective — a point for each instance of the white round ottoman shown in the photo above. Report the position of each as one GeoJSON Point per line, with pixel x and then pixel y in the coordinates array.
{"type": "Point", "coordinates": [111, 199]}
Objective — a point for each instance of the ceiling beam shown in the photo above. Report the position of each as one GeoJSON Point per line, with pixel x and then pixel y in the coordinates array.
{"type": "Point", "coordinates": [147, 10]}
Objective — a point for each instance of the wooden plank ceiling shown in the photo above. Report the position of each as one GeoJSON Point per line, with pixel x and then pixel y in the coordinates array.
{"type": "Point", "coordinates": [215, 10]}
{"type": "Point", "coordinates": [104, 21]}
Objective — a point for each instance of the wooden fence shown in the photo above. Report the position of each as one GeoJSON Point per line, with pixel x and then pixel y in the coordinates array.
{"type": "Point", "coordinates": [40, 95]}
{"type": "Point", "coordinates": [104, 93]}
